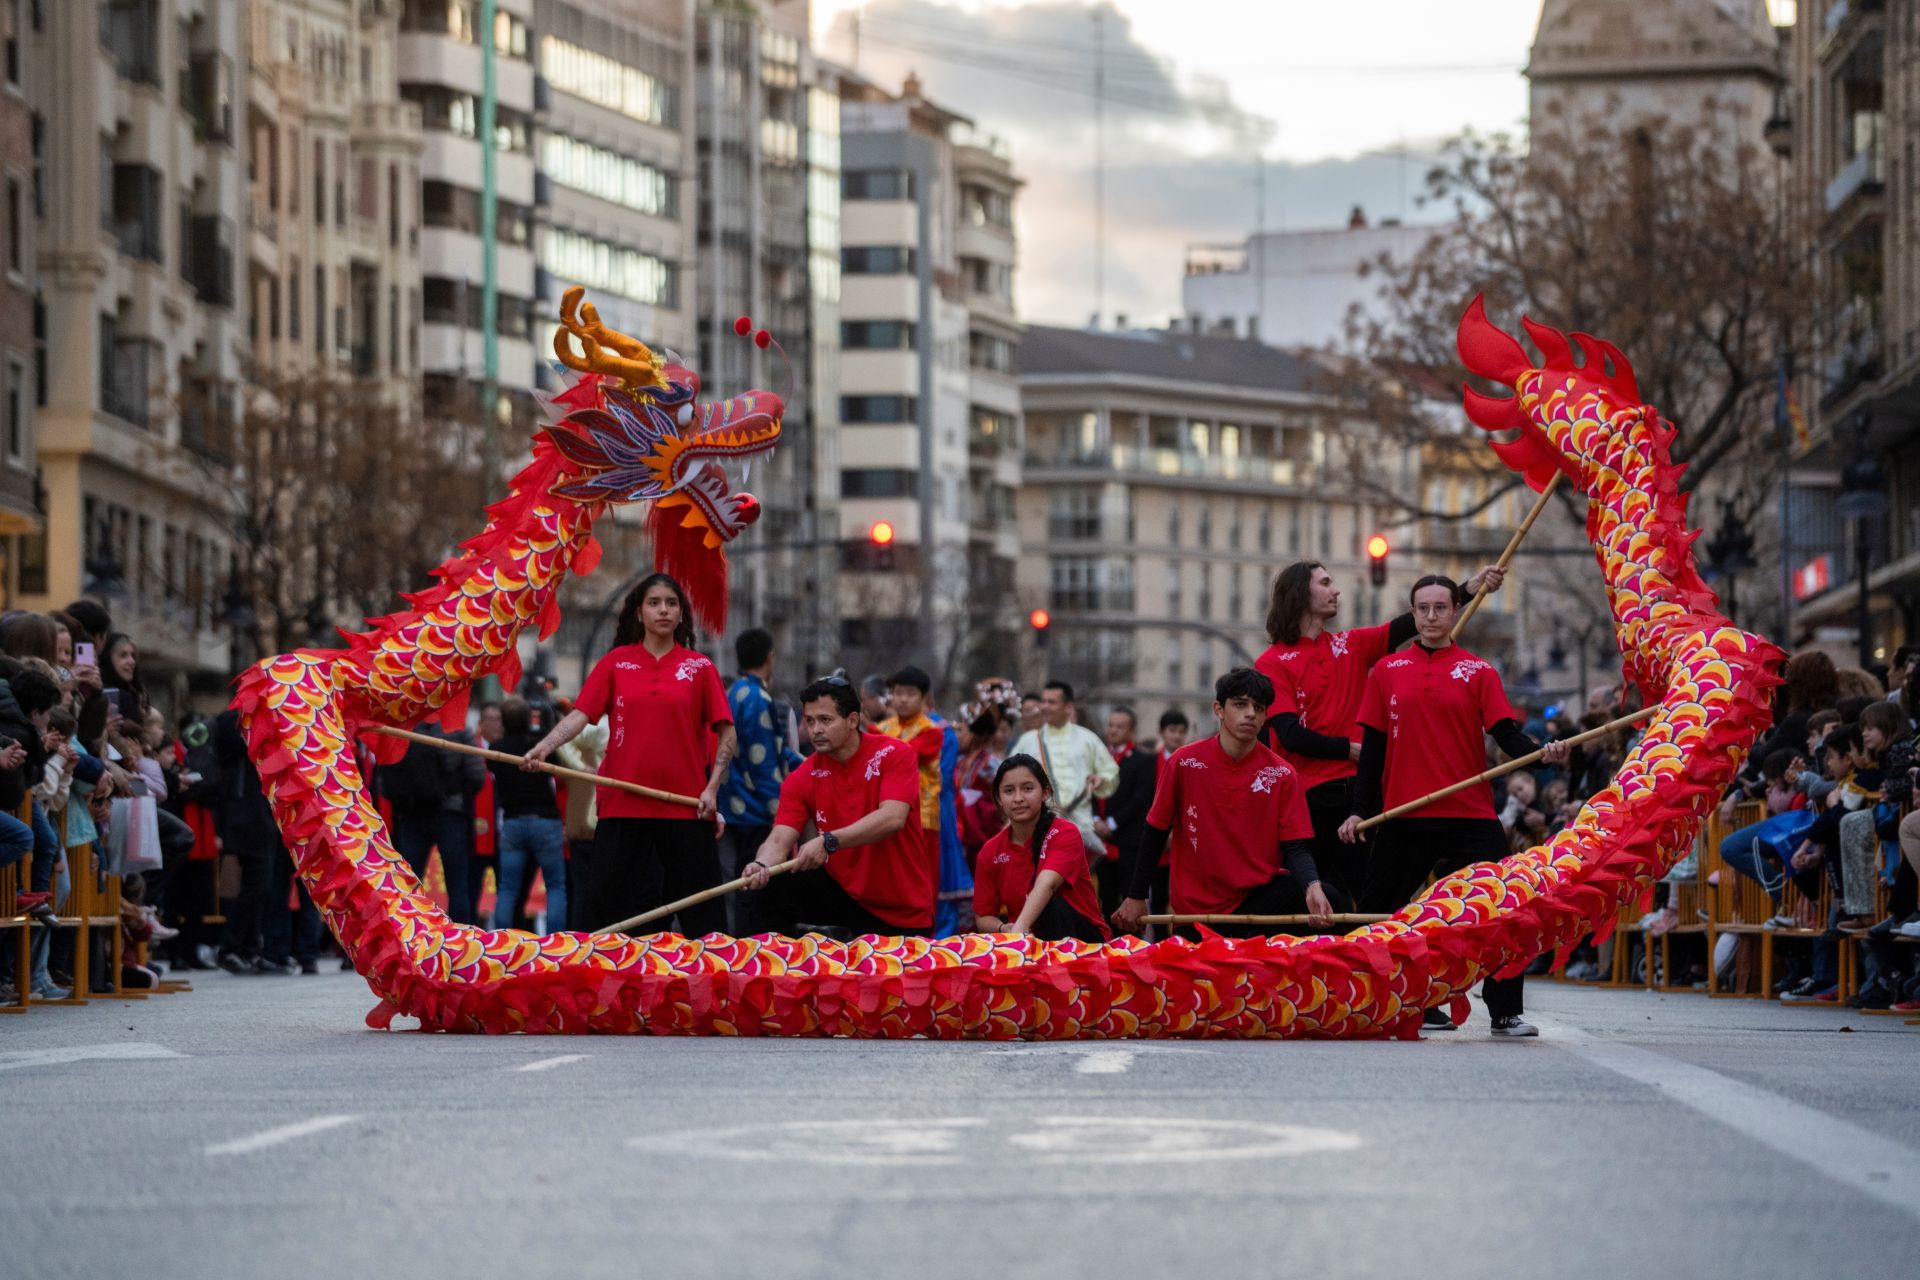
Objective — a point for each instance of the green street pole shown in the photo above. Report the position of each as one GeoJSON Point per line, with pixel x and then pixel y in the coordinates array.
{"type": "Point", "coordinates": [489, 283]}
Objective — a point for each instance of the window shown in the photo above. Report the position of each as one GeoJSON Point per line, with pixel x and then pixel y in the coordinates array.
{"type": "Point", "coordinates": [16, 227]}
{"type": "Point", "coordinates": [877, 260]}
{"type": "Point", "coordinates": [1206, 592]}
{"type": "Point", "coordinates": [597, 264]}
{"type": "Point", "coordinates": [393, 206]}
{"type": "Point", "coordinates": [293, 301]}
{"type": "Point", "coordinates": [1173, 525]}
{"type": "Point", "coordinates": [320, 310]}
{"type": "Point", "coordinates": [876, 335]}
{"type": "Point", "coordinates": [339, 185]}
{"type": "Point", "coordinates": [19, 447]}
{"type": "Point", "coordinates": [1235, 597]}
{"type": "Point", "coordinates": [1206, 527]}
{"type": "Point", "coordinates": [876, 483]}
{"type": "Point", "coordinates": [876, 184]}
{"type": "Point", "coordinates": [614, 85]}
{"type": "Point", "coordinates": [1326, 532]}
{"type": "Point", "coordinates": [1266, 528]}
{"type": "Point", "coordinates": [879, 409]}
{"type": "Point", "coordinates": [985, 207]}
{"type": "Point", "coordinates": [1073, 513]}
{"type": "Point", "coordinates": [12, 16]}
{"type": "Point", "coordinates": [618, 178]}
{"type": "Point", "coordinates": [130, 32]}
{"type": "Point", "coordinates": [1173, 588]}
{"type": "Point", "coordinates": [994, 354]}
{"type": "Point", "coordinates": [137, 201]}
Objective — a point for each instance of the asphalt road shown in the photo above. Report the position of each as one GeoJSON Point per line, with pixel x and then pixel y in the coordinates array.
{"type": "Point", "coordinates": [256, 1128]}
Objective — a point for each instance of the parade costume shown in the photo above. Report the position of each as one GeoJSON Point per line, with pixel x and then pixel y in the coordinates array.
{"type": "Point", "coordinates": [1007, 870]}
{"type": "Point", "coordinates": [301, 713]}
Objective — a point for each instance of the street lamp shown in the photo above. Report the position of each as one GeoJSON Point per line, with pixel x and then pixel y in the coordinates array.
{"type": "Point", "coordinates": [1730, 552]}
{"type": "Point", "coordinates": [1862, 498]}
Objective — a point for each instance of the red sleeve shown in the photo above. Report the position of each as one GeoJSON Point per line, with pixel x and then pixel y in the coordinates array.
{"type": "Point", "coordinates": [597, 692]}
{"type": "Point", "coordinates": [1286, 695]}
{"type": "Point", "coordinates": [796, 799]}
{"type": "Point", "coordinates": [1369, 644]}
{"type": "Point", "coordinates": [899, 776]}
{"type": "Point", "coordinates": [714, 710]}
{"type": "Point", "coordinates": [1295, 823]}
{"type": "Point", "coordinates": [927, 743]}
{"type": "Point", "coordinates": [1164, 804]}
{"type": "Point", "coordinates": [1373, 704]}
{"type": "Point", "coordinates": [1494, 706]}
{"type": "Point", "coordinates": [1065, 851]}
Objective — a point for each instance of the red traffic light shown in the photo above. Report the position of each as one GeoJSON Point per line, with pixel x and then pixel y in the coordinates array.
{"type": "Point", "coordinates": [881, 533]}
{"type": "Point", "coordinates": [1377, 547]}
{"type": "Point", "coordinates": [1040, 619]}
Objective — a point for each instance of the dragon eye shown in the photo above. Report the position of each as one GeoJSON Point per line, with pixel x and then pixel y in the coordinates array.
{"type": "Point", "coordinates": [685, 416]}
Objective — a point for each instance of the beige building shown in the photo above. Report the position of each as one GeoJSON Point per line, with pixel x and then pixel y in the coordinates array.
{"type": "Point", "coordinates": [23, 544]}
{"type": "Point", "coordinates": [145, 201]}
{"type": "Point", "coordinates": [929, 405]}
{"type": "Point", "coordinates": [1168, 477]}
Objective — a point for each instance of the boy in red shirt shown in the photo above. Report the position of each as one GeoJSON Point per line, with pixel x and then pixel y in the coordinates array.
{"type": "Point", "coordinates": [1237, 823]}
{"type": "Point", "coordinates": [1048, 893]}
{"type": "Point", "coordinates": [1426, 715]}
{"type": "Point", "coordinates": [865, 870]}
{"type": "Point", "coordinates": [1318, 676]}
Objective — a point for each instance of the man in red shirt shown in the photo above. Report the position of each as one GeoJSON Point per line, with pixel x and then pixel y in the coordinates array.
{"type": "Point", "coordinates": [1236, 820]}
{"type": "Point", "coordinates": [1426, 715]}
{"type": "Point", "coordinates": [1318, 675]}
{"type": "Point", "coordinates": [865, 870]}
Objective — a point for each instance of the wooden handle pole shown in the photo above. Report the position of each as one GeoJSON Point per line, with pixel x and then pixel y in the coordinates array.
{"type": "Point", "coordinates": [558, 771]}
{"type": "Point", "coordinates": [694, 900]}
{"type": "Point", "coordinates": [1513, 545]}
{"type": "Point", "coordinates": [1339, 917]}
{"type": "Point", "coordinates": [1501, 770]}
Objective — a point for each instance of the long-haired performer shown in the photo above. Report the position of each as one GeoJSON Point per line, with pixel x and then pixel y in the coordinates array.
{"type": "Point", "coordinates": [1425, 715]}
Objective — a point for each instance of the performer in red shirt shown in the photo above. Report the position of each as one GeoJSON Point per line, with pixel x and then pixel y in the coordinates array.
{"type": "Point", "coordinates": [1237, 823]}
{"type": "Point", "coordinates": [664, 705]}
{"type": "Point", "coordinates": [865, 869]}
{"type": "Point", "coordinates": [1318, 675]}
{"type": "Point", "coordinates": [1425, 716]}
{"type": "Point", "coordinates": [1032, 874]}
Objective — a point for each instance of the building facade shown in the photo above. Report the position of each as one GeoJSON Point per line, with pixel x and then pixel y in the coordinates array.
{"type": "Point", "coordinates": [22, 527]}
{"type": "Point", "coordinates": [929, 412]}
{"type": "Point", "coordinates": [142, 172]}
{"type": "Point", "coordinates": [1168, 477]}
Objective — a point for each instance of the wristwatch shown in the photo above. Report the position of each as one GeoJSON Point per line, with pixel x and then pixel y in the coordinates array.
{"type": "Point", "coordinates": [830, 842]}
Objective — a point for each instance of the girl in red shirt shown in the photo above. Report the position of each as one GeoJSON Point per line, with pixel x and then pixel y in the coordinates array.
{"type": "Point", "coordinates": [1031, 876]}
{"type": "Point", "coordinates": [665, 708]}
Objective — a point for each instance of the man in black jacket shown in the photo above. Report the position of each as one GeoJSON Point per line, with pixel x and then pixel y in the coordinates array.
{"type": "Point", "coordinates": [1123, 815]}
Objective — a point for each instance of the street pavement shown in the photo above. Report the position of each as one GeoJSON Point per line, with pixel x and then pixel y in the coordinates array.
{"type": "Point", "coordinates": [255, 1127]}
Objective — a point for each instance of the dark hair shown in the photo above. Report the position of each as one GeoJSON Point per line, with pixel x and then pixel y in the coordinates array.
{"type": "Point", "coordinates": [752, 648]}
{"type": "Point", "coordinates": [1774, 767]}
{"type": "Point", "coordinates": [1850, 708]}
{"type": "Point", "coordinates": [1174, 716]}
{"type": "Point", "coordinates": [110, 677]}
{"type": "Point", "coordinates": [1435, 580]}
{"type": "Point", "coordinates": [1292, 588]}
{"type": "Point", "coordinates": [1124, 710]}
{"type": "Point", "coordinates": [1844, 739]}
{"type": "Point", "coordinates": [1822, 718]}
{"type": "Point", "coordinates": [632, 631]}
{"type": "Point", "coordinates": [913, 677]}
{"type": "Point", "coordinates": [1029, 697]}
{"type": "Point", "coordinates": [32, 635]}
{"type": "Point", "coordinates": [93, 618]}
{"type": "Point", "coordinates": [516, 715]}
{"type": "Point", "coordinates": [1243, 682]}
{"type": "Point", "coordinates": [63, 721]}
{"type": "Point", "coordinates": [1066, 690]}
{"type": "Point", "coordinates": [1044, 824]}
{"type": "Point", "coordinates": [1905, 654]}
{"type": "Point", "coordinates": [1812, 681]}
{"type": "Point", "coordinates": [986, 724]}
{"type": "Point", "coordinates": [845, 700]}
{"type": "Point", "coordinates": [34, 692]}
{"type": "Point", "coordinates": [1885, 717]}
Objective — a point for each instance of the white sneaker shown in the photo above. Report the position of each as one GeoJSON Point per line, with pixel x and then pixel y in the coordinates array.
{"type": "Point", "coordinates": [1513, 1026]}
{"type": "Point", "coordinates": [1911, 929]}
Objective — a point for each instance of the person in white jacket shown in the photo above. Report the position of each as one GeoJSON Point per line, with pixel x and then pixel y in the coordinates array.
{"type": "Point", "coordinates": [1076, 759]}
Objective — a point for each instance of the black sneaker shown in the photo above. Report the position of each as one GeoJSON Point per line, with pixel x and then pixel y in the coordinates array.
{"type": "Point", "coordinates": [263, 965]}
{"type": "Point", "coordinates": [1437, 1020]}
{"type": "Point", "coordinates": [1891, 925]}
{"type": "Point", "coordinates": [309, 966]}
{"type": "Point", "coordinates": [1875, 995]}
{"type": "Point", "coordinates": [1800, 990]}
{"type": "Point", "coordinates": [1514, 1027]}
{"type": "Point", "coordinates": [235, 964]}
{"type": "Point", "coordinates": [1795, 978]}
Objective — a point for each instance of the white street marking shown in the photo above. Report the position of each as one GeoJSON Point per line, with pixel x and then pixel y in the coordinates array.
{"type": "Point", "coordinates": [882, 1142]}
{"type": "Point", "coordinates": [274, 1137]}
{"type": "Point", "coordinates": [136, 1050]}
{"type": "Point", "coordinates": [1105, 1062]}
{"type": "Point", "coordinates": [547, 1064]}
{"type": "Point", "coordinates": [1139, 1140]}
{"type": "Point", "coordinates": [1845, 1152]}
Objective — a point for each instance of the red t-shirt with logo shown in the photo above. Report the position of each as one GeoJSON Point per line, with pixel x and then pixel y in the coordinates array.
{"type": "Point", "coordinates": [1321, 680]}
{"type": "Point", "coordinates": [661, 713]}
{"type": "Point", "coordinates": [1004, 874]}
{"type": "Point", "coordinates": [1228, 819]}
{"type": "Point", "coordinates": [1435, 706]}
{"type": "Point", "coordinates": [893, 878]}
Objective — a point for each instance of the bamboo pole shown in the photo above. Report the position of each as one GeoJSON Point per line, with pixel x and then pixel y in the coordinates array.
{"type": "Point", "coordinates": [558, 771]}
{"type": "Point", "coordinates": [1338, 917]}
{"type": "Point", "coordinates": [1501, 770]}
{"type": "Point", "coordinates": [1513, 545]}
{"type": "Point", "coordinates": [695, 899]}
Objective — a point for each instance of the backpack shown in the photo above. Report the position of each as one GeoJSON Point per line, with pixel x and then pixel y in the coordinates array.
{"type": "Point", "coordinates": [415, 783]}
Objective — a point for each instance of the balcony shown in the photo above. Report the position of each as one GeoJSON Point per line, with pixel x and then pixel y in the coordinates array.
{"type": "Point", "coordinates": [208, 259]}
{"type": "Point", "coordinates": [130, 34]}
{"type": "Point", "coordinates": [1863, 176]}
{"type": "Point", "coordinates": [1172, 464]}
{"type": "Point", "coordinates": [1845, 21]}
{"type": "Point", "coordinates": [129, 369]}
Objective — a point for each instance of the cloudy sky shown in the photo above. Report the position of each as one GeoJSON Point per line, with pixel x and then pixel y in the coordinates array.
{"type": "Point", "coordinates": [1345, 102]}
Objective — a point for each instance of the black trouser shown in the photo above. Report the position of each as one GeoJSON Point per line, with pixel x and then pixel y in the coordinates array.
{"type": "Point", "coordinates": [1059, 921]}
{"type": "Point", "coordinates": [253, 848]}
{"type": "Point", "coordinates": [1408, 850]}
{"type": "Point", "coordinates": [643, 863]}
{"type": "Point", "coordinates": [815, 899]}
{"type": "Point", "coordinates": [737, 847]}
{"type": "Point", "coordinates": [288, 934]}
{"type": "Point", "coordinates": [1340, 863]}
{"type": "Point", "coordinates": [417, 833]}
{"type": "Point", "coordinates": [1283, 895]}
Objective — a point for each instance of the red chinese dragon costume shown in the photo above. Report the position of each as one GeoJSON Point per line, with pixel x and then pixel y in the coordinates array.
{"type": "Point", "coordinates": [634, 431]}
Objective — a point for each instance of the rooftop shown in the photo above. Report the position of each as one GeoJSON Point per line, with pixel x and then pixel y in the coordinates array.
{"type": "Point", "coordinates": [1170, 355]}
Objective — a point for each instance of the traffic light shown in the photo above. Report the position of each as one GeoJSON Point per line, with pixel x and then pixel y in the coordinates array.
{"type": "Point", "coordinates": [1377, 559]}
{"type": "Point", "coordinates": [881, 533]}
{"type": "Point", "coordinates": [1041, 621]}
